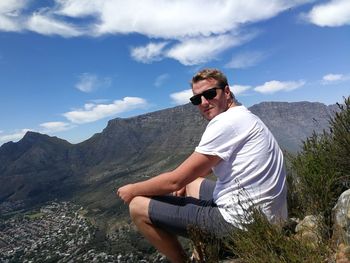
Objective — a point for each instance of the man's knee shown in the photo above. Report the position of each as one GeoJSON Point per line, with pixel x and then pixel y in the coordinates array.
{"type": "Point", "coordinates": [138, 208]}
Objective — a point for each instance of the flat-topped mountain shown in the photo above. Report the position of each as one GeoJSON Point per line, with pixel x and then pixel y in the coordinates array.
{"type": "Point", "coordinates": [40, 168]}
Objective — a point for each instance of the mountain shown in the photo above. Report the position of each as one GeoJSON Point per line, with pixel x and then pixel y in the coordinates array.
{"type": "Point", "coordinates": [32, 166]}
{"type": "Point", "coordinates": [293, 122]}
{"type": "Point", "coordinates": [39, 168]}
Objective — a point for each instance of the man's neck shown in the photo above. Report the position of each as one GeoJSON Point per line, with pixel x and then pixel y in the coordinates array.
{"type": "Point", "coordinates": [231, 104]}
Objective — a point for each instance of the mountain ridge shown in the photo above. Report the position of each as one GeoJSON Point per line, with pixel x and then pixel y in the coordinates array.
{"type": "Point", "coordinates": [39, 168]}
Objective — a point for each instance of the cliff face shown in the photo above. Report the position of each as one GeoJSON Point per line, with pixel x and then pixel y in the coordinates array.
{"type": "Point", "coordinates": [39, 168]}
{"type": "Point", "coordinates": [293, 122]}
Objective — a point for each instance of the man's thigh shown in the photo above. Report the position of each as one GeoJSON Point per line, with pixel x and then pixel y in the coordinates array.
{"type": "Point", "coordinates": [178, 215]}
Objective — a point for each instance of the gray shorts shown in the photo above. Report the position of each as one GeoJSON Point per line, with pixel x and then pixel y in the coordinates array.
{"type": "Point", "coordinates": [178, 214]}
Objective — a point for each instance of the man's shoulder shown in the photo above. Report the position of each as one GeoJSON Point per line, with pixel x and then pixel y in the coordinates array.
{"type": "Point", "coordinates": [234, 113]}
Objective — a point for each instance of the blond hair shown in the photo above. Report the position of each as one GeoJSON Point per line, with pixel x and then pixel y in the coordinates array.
{"type": "Point", "coordinates": [210, 73]}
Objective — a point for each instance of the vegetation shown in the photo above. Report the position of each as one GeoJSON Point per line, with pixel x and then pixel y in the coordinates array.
{"type": "Point", "coordinates": [317, 175]}
{"type": "Point", "coordinates": [321, 169]}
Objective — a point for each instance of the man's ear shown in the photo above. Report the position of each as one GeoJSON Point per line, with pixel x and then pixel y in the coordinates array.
{"type": "Point", "coordinates": [227, 91]}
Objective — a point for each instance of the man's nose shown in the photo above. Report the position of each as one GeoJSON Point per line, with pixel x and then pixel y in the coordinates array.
{"type": "Point", "coordinates": [204, 100]}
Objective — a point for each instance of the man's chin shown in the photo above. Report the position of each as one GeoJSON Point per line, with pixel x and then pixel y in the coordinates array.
{"type": "Point", "coordinates": [208, 115]}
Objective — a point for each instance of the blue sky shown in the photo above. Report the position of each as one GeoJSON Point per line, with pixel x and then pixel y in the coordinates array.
{"type": "Point", "coordinates": [69, 66]}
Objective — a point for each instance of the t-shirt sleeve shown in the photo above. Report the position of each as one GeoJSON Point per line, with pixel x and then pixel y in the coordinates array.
{"type": "Point", "coordinates": [220, 138]}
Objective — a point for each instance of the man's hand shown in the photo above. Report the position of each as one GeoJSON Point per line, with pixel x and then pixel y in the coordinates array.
{"type": "Point", "coordinates": [181, 192]}
{"type": "Point", "coordinates": [126, 193]}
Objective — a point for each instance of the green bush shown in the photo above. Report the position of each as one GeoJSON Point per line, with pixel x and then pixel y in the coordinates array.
{"type": "Point", "coordinates": [340, 128]}
{"type": "Point", "coordinates": [321, 169]}
{"type": "Point", "coordinates": [262, 242]}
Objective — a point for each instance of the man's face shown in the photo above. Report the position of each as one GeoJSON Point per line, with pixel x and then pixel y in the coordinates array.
{"type": "Point", "coordinates": [213, 107]}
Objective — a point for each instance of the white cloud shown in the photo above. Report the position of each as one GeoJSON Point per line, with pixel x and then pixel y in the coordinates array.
{"type": "Point", "coordinates": [161, 79]}
{"type": "Point", "coordinates": [90, 82]}
{"type": "Point", "coordinates": [334, 78]}
{"type": "Point", "coordinates": [163, 19]}
{"type": "Point", "coordinates": [239, 89]}
{"type": "Point", "coordinates": [181, 97]}
{"type": "Point", "coordinates": [333, 13]}
{"type": "Point", "coordinates": [149, 53]}
{"type": "Point", "coordinates": [74, 8]}
{"type": "Point", "coordinates": [17, 135]}
{"type": "Point", "coordinates": [93, 112]}
{"type": "Point", "coordinates": [46, 25]}
{"type": "Point", "coordinates": [11, 6]}
{"type": "Point", "coordinates": [9, 14]}
{"type": "Point", "coordinates": [9, 24]}
{"type": "Point", "coordinates": [246, 59]}
{"type": "Point", "coordinates": [190, 35]}
{"type": "Point", "coordinates": [178, 19]}
{"type": "Point", "coordinates": [203, 49]}
{"type": "Point", "coordinates": [275, 86]}
{"type": "Point", "coordinates": [55, 126]}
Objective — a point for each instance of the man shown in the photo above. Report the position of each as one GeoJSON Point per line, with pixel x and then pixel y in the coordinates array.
{"type": "Point", "coordinates": [243, 155]}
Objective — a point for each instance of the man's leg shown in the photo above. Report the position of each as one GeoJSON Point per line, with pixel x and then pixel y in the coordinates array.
{"type": "Point", "coordinates": [165, 242]}
{"type": "Point", "coordinates": [193, 189]}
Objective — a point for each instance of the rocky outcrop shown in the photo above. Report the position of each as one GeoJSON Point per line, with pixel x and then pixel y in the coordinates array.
{"type": "Point", "coordinates": [309, 229]}
{"type": "Point", "coordinates": [342, 219]}
{"type": "Point", "coordinates": [341, 227]}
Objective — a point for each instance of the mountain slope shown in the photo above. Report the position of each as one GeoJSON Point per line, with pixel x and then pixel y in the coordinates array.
{"type": "Point", "coordinates": [39, 168]}
{"type": "Point", "coordinates": [32, 166]}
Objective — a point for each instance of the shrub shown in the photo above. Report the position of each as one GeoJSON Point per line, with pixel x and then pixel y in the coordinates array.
{"type": "Point", "coordinates": [322, 167]}
{"type": "Point", "coordinates": [262, 242]}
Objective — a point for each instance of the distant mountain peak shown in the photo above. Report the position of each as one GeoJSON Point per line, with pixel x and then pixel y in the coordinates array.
{"type": "Point", "coordinates": [35, 137]}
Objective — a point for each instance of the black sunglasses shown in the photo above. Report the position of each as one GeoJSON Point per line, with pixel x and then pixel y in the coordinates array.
{"type": "Point", "coordinates": [208, 94]}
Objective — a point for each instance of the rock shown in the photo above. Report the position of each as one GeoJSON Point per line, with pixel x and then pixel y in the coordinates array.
{"type": "Point", "coordinates": [343, 254]}
{"type": "Point", "coordinates": [309, 229]}
{"type": "Point", "coordinates": [341, 216]}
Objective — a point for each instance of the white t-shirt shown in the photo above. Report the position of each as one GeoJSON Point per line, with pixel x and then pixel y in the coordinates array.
{"type": "Point", "coordinates": [252, 169]}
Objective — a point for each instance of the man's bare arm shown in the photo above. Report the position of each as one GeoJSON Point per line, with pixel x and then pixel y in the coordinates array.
{"type": "Point", "coordinates": [196, 165]}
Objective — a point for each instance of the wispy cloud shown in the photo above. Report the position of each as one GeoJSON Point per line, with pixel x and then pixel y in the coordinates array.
{"type": "Point", "coordinates": [10, 7]}
{"type": "Point", "coordinates": [47, 25]}
{"type": "Point", "coordinates": [333, 13]}
{"type": "Point", "coordinates": [47, 127]}
{"type": "Point", "coordinates": [89, 82]}
{"type": "Point", "coordinates": [199, 50]}
{"type": "Point", "coordinates": [76, 9]}
{"type": "Point", "coordinates": [93, 112]}
{"type": "Point", "coordinates": [8, 24]}
{"type": "Point", "coordinates": [239, 89]}
{"type": "Point", "coordinates": [276, 86]}
{"type": "Point", "coordinates": [161, 79]}
{"type": "Point", "coordinates": [181, 97]}
{"type": "Point", "coordinates": [55, 126]}
{"type": "Point", "coordinates": [149, 53]}
{"type": "Point", "coordinates": [177, 19]}
{"type": "Point", "coordinates": [246, 59]}
{"type": "Point", "coordinates": [9, 14]}
{"type": "Point", "coordinates": [334, 78]}
{"type": "Point", "coordinates": [181, 30]}
{"type": "Point", "coordinates": [15, 136]}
